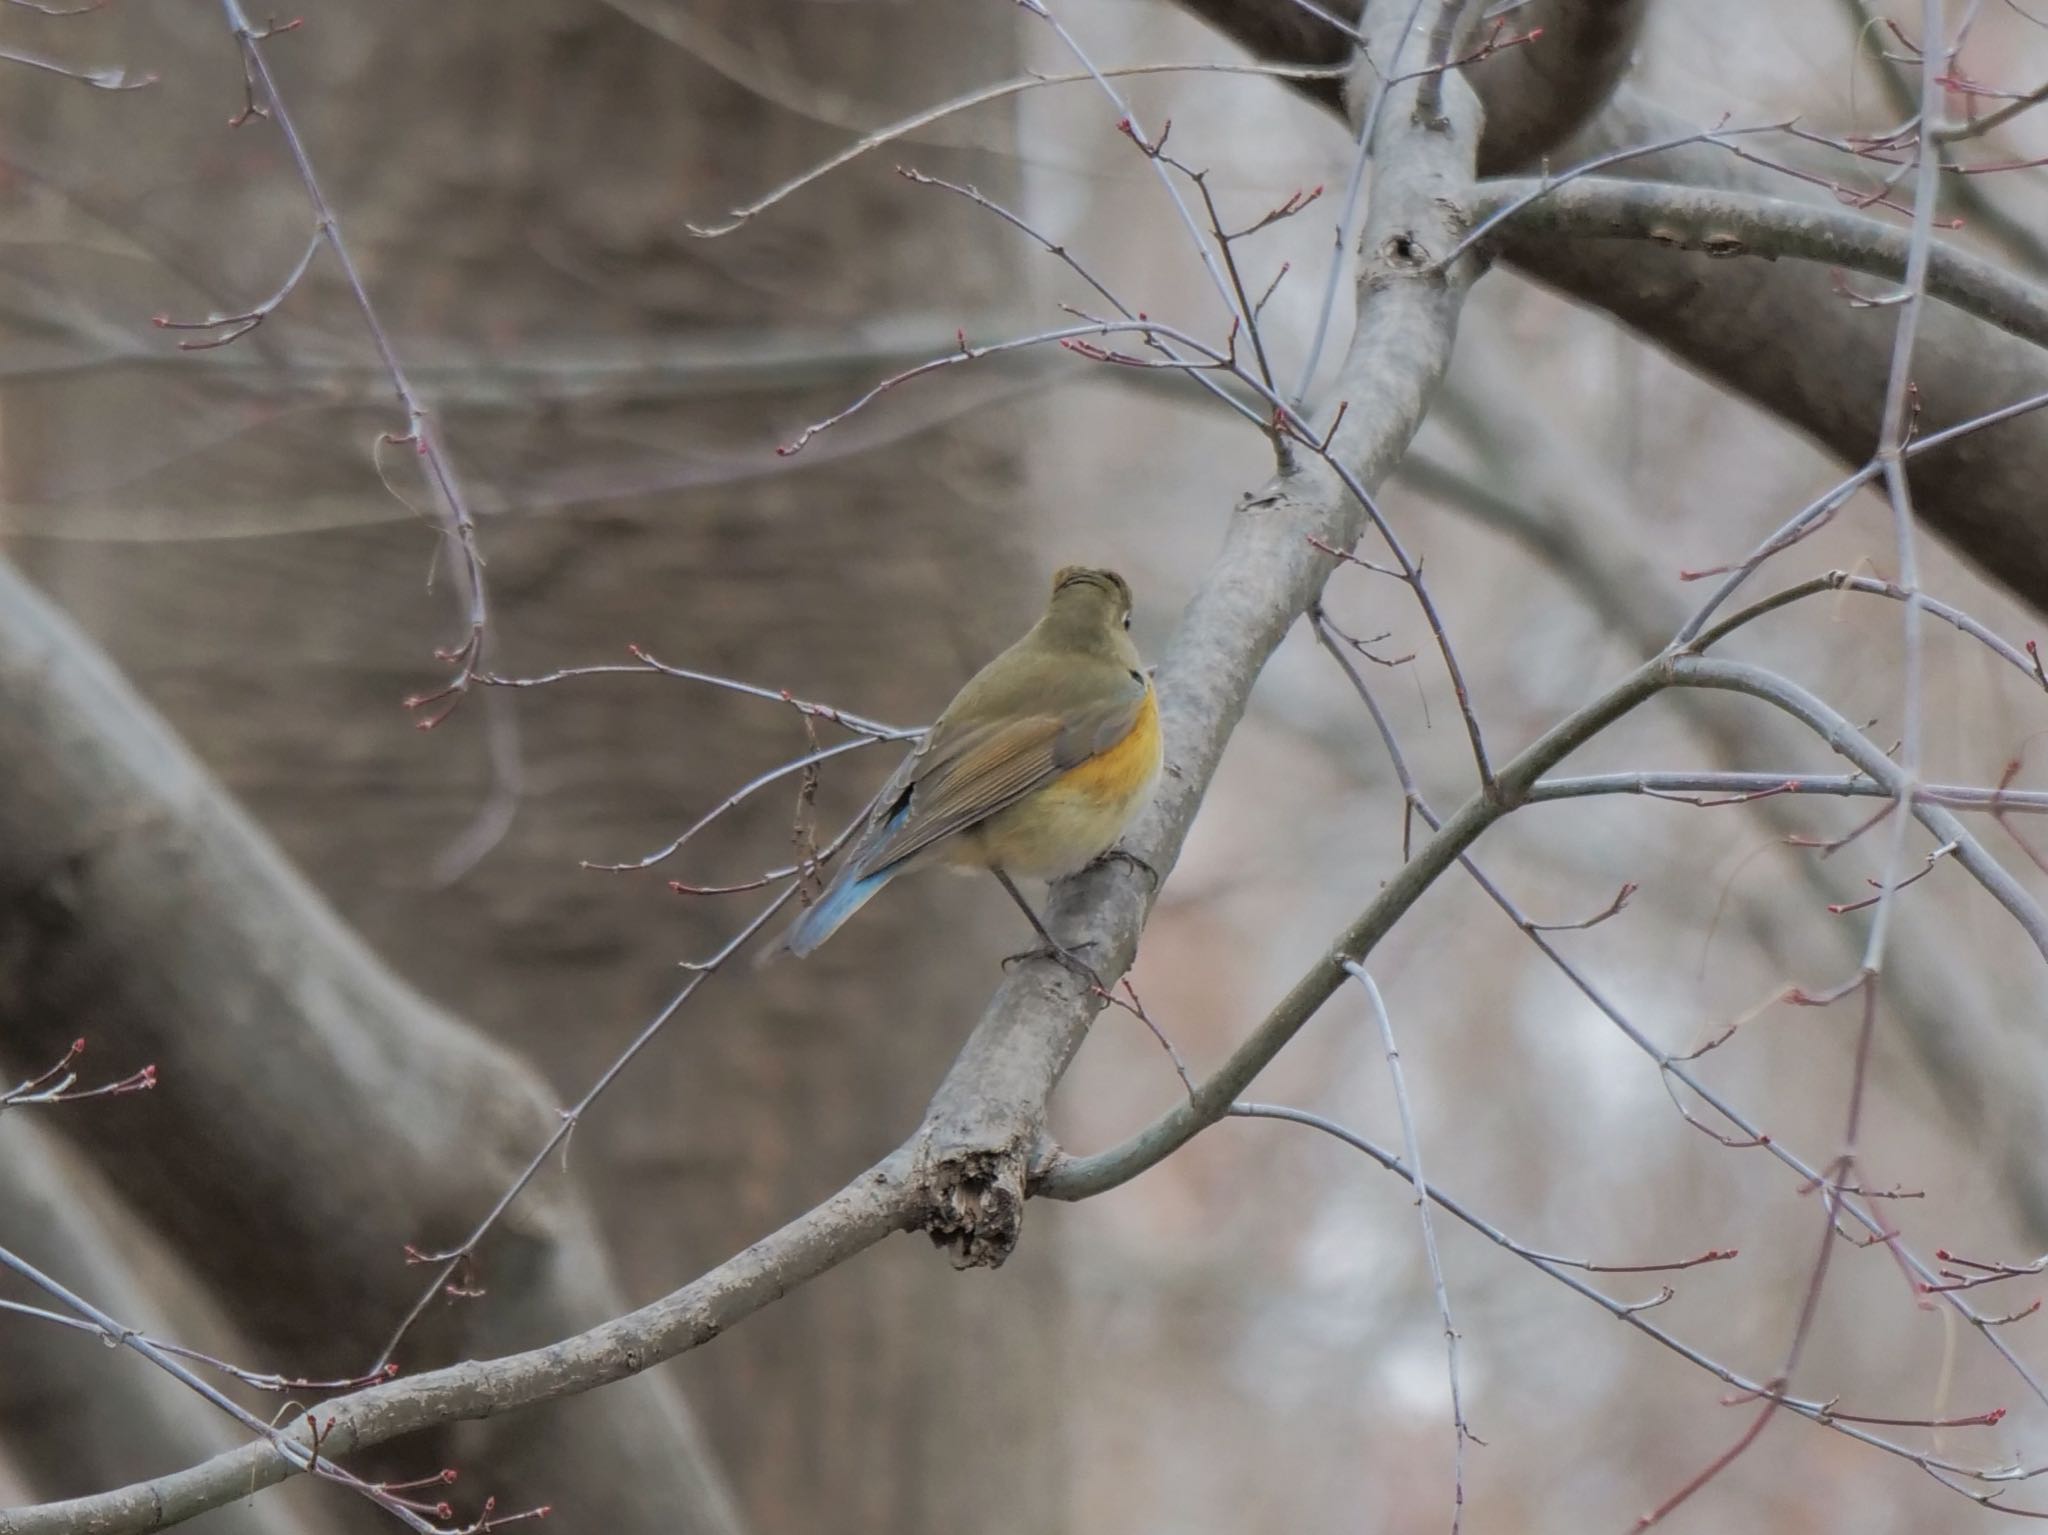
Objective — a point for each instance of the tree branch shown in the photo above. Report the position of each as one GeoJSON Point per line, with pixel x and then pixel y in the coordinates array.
{"type": "Point", "coordinates": [1067, 1177]}
{"type": "Point", "coordinates": [1844, 739]}
{"type": "Point", "coordinates": [1784, 338]}
{"type": "Point", "coordinates": [1723, 223]}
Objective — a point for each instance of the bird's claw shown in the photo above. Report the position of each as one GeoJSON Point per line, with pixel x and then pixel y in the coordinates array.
{"type": "Point", "coordinates": [1064, 956]}
{"type": "Point", "coordinates": [1121, 854]}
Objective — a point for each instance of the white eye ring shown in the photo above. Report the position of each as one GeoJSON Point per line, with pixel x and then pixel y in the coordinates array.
{"type": "Point", "coordinates": [1127, 620]}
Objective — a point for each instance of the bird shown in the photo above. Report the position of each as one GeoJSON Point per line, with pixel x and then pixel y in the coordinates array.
{"type": "Point", "coordinates": [1034, 769]}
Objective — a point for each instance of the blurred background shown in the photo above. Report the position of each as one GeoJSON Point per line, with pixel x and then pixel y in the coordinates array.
{"type": "Point", "coordinates": [1245, 1337]}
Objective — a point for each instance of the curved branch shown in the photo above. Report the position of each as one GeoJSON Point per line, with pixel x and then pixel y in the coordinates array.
{"type": "Point", "coordinates": [1573, 516]}
{"type": "Point", "coordinates": [1721, 222]}
{"type": "Point", "coordinates": [1068, 1177]}
{"type": "Point", "coordinates": [1784, 338]}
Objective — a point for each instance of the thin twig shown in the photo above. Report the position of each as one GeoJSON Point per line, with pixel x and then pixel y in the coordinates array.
{"type": "Point", "coordinates": [1411, 1145]}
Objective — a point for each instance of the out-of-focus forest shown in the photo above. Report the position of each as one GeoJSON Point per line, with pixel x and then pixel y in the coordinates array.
{"type": "Point", "coordinates": [369, 964]}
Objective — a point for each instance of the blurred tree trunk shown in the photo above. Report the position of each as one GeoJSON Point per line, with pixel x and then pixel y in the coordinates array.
{"type": "Point", "coordinates": [513, 177]}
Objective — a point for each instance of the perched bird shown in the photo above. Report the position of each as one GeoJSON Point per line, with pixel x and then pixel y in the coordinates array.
{"type": "Point", "coordinates": [1034, 769]}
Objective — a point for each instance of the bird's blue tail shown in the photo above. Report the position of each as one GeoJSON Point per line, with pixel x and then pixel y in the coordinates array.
{"type": "Point", "coordinates": [838, 903]}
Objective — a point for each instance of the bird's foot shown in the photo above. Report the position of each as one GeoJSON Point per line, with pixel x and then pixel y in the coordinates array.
{"type": "Point", "coordinates": [1063, 955]}
{"type": "Point", "coordinates": [1122, 854]}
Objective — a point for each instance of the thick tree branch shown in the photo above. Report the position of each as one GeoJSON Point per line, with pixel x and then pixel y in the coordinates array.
{"type": "Point", "coordinates": [1784, 338]}
{"type": "Point", "coordinates": [989, 1115]}
{"type": "Point", "coordinates": [1723, 223]}
{"type": "Point", "coordinates": [1537, 96]}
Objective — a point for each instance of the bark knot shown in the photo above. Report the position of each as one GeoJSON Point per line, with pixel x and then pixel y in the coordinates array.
{"type": "Point", "coordinates": [1404, 250]}
{"type": "Point", "coordinates": [974, 1206]}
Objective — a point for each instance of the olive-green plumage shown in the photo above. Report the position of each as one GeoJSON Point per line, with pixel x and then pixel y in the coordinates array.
{"type": "Point", "coordinates": [1034, 769]}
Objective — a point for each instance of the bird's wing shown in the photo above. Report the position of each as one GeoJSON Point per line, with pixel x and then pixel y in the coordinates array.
{"type": "Point", "coordinates": [964, 776]}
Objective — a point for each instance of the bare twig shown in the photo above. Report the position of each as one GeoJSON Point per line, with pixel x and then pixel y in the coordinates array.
{"type": "Point", "coordinates": [1825, 1413]}
{"type": "Point", "coordinates": [59, 1083]}
{"type": "Point", "coordinates": [458, 526]}
{"type": "Point", "coordinates": [1412, 1147]}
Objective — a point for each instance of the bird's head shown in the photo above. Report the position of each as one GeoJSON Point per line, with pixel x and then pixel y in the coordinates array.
{"type": "Point", "coordinates": [1091, 609]}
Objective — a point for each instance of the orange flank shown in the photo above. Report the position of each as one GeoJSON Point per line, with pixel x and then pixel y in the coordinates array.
{"type": "Point", "coordinates": [1078, 816]}
{"type": "Point", "coordinates": [1125, 772]}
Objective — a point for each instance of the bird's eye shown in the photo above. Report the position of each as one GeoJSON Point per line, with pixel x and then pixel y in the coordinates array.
{"type": "Point", "coordinates": [1127, 620]}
